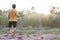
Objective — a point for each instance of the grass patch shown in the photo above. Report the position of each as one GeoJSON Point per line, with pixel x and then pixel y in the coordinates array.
{"type": "Point", "coordinates": [41, 29]}
{"type": "Point", "coordinates": [30, 30]}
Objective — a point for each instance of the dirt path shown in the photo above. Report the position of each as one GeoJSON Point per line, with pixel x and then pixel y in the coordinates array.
{"type": "Point", "coordinates": [30, 37]}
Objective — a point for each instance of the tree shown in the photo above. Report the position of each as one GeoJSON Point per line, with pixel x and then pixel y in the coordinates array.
{"type": "Point", "coordinates": [0, 12]}
{"type": "Point", "coordinates": [57, 11]}
{"type": "Point", "coordinates": [52, 11]}
{"type": "Point", "coordinates": [33, 9]}
{"type": "Point", "coordinates": [28, 12]}
{"type": "Point", "coordinates": [21, 13]}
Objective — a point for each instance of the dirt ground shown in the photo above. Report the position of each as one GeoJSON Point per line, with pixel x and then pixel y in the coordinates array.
{"type": "Point", "coordinates": [30, 37]}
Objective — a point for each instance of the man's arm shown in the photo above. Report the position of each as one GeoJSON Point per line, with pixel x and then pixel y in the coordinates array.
{"type": "Point", "coordinates": [17, 14]}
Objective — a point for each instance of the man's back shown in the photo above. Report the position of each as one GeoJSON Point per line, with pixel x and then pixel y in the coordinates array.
{"type": "Point", "coordinates": [13, 15]}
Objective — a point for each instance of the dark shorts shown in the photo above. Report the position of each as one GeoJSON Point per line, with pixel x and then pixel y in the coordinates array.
{"type": "Point", "coordinates": [12, 23]}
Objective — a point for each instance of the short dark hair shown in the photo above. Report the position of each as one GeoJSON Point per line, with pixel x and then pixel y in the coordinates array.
{"type": "Point", "coordinates": [14, 6]}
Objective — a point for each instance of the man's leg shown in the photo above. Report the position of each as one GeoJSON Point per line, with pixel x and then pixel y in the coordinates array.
{"type": "Point", "coordinates": [14, 27]}
{"type": "Point", "coordinates": [14, 31]}
{"type": "Point", "coordinates": [9, 27]}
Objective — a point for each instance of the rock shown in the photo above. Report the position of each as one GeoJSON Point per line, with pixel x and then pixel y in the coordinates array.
{"type": "Point", "coordinates": [20, 38]}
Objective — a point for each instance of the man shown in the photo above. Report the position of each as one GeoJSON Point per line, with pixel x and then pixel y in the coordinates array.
{"type": "Point", "coordinates": [12, 16]}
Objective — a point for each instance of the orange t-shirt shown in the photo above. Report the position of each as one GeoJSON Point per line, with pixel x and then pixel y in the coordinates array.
{"type": "Point", "coordinates": [12, 15]}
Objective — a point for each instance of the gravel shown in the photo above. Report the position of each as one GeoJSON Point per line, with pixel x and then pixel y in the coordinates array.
{"type": "Point", "coordinates": [30, 37]}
